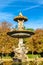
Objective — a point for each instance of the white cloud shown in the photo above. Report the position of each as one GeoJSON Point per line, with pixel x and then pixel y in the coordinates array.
{"type": "Point", "coordinates": [32, 7]}
{"type": "Point", "coordinates": [35, 23]}
{"type": "Point", "coordinates": [5, 3]}
{"type": "Point", "coordinates": [6, 17]}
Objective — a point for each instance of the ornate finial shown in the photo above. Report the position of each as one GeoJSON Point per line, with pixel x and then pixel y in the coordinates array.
{"type": "Point", "coordinates": [20, 14]}
{"type": "Point", "coordinates": [20, 17]}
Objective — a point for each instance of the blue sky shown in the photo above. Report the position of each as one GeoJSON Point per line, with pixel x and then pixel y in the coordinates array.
{"type": "Point", "coordinates": [33, 9]}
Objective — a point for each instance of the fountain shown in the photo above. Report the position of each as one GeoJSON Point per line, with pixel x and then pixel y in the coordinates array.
{"type": "Point", "coordinates": [20, 52]}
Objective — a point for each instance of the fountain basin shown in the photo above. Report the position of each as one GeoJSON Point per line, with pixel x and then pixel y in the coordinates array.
{"type": "Point", "coordinates": [20, 34]}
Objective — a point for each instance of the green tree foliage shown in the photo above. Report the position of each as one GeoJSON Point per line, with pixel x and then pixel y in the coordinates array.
{"type": "Point", "coordinates": [30, 29]}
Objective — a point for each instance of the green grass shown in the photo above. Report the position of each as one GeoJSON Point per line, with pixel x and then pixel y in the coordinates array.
{"type": "Point", "coordinates": [6, 57]}
{"type": "Point", "coordinates": [29, 55]}
{"type": "Point", "coordinates": [33, 56]}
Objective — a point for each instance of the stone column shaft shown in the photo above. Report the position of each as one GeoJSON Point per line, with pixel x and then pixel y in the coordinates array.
{"type": "Point", "coordinates": [20, 42]}
{"type": "Point", "coordinates": [20, 24]}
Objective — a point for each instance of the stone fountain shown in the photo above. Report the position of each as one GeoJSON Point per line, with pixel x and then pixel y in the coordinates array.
{"type": "Point", "coordinates": [20, 52]}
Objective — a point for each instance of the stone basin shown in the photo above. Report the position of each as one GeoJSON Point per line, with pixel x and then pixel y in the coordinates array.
{"type": "Point", "coordinates": [20, 34]}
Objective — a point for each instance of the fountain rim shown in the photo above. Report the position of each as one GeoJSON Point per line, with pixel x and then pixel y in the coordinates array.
{"type": "Point", "coordinates": [25, 34]}
{"type": "Point", "coordinates": [21, 31]}
{"type": "Point", "coordinates": [20, 18]}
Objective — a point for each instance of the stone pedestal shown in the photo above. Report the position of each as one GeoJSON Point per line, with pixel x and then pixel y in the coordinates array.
{"type": "Point", "coordinates": [21, 51]}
